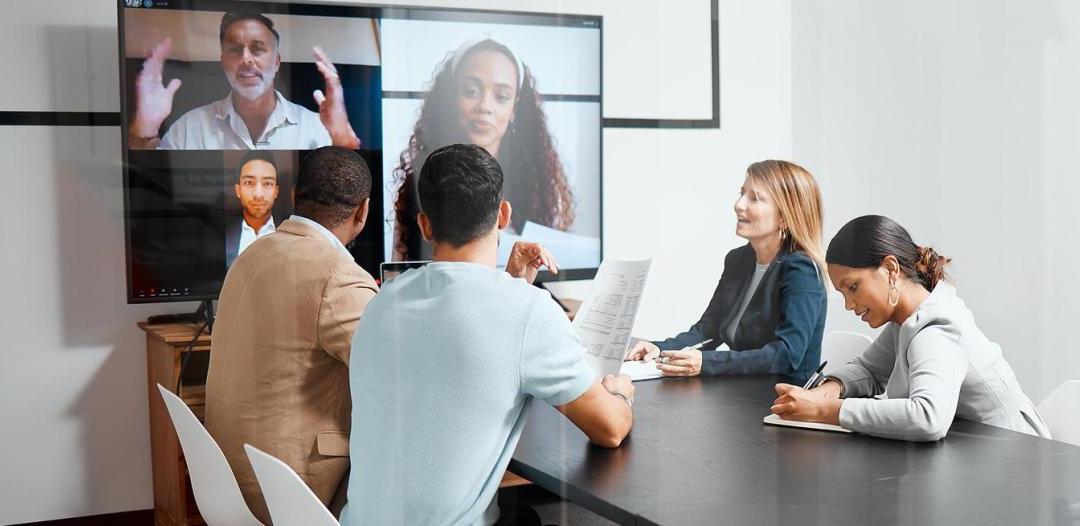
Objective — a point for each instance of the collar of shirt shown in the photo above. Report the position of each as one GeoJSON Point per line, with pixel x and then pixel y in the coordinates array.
{"type": "Point", "coordinates": [267, 227]}
{"type": "Point", "coordinates": [322, 231]}
{"type": "Point", "coordinates": [284, 114]}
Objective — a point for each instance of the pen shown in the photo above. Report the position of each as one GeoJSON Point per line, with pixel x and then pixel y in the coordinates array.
{"type": "Point", "coordinates": [813, 380]}
{"type": "Point", "coordinates": [697, 346]}
{"type": "Point", "coordinates": [694, 347]}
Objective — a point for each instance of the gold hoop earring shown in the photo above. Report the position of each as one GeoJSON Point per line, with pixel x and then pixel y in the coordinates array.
{"type": "Point", "coordinates": [892, 289]}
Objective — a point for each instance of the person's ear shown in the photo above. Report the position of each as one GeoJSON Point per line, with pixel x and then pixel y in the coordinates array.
{"type": "Point", "coordinates": [505, 211]}
{"type": "Point", "coordinates": [425, 227]}
{"type": "Point", "coordinates": [360, 217]}
{"type": "Point", "coordinates": [277, 188]}
{"type": "Point", "coordinates": [236, 188]}
{"type": "Point", "coordinates": [891, 266]}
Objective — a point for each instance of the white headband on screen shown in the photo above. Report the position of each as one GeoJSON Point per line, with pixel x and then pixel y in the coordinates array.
{"type": "Point", "coordinates": [469, 44]}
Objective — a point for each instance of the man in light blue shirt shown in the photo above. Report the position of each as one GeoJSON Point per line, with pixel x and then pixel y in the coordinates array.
{"type": "Point", "coordinates": [455, 352]}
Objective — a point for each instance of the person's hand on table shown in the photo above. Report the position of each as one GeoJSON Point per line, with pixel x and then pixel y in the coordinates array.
{"type": "Point", "coordinates": [619, 383]}
{"type": "Point", "coordinates": [680, 363]}
{"type": "Point", "coordinates": [641, 351]}
{"type": "Point", "coordinates": [153, 99]}
{"type": "Point", "coordinates": [526, 259]}
{"type": "Point", "coordinates": [796, 403]}
{"type": "Point", "coordinates": [332, 104]}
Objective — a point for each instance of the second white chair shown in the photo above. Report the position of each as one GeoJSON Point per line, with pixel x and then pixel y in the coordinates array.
{"type": "Point", "coordinates": [290, 500]}
{"type": "Point", "coordinates": [840, 347]}
{"type": "Point", "coordinates": [1061, 410]}
{"type": "Point", "coordinates": [216, 492]}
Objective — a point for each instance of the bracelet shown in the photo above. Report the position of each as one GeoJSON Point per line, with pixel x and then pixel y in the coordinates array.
{"type": "Point", "coordinates": [629, 402]}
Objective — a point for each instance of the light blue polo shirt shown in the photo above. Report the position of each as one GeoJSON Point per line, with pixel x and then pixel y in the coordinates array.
{"type": "Point", "coordinates": [444, 364]}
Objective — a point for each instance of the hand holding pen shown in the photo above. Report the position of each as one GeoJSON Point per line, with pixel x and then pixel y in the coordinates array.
{"type": "Point", "coordinates": [807, 404]}
{"type": "Point", "coordinates": [664, 359]}
{"type": "Point", "coordinates": [683, 362]}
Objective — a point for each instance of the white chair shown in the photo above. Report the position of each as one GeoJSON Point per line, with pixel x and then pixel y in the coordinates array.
{"type": "Point", "coordinates": [840, 347]}
{"type": "Point", "coordinates": [212, 480]}
{"type": "Point", "coordinates": [291, 501]}
{"type": "Point", "coordinates": [1061, 411]}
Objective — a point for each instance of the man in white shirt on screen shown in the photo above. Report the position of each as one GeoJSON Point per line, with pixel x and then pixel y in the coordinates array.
{"type": "Point", "coordinates": [257, 189]}
{"type": "Point", "coordinates": [254, 115]}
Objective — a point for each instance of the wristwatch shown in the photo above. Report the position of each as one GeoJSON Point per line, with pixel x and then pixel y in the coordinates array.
{"type": "Point", "coordinates": [837, 380]}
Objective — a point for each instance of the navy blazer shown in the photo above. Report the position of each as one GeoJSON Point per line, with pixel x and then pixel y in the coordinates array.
{"type": "Point", "coordinates": [781, 330]}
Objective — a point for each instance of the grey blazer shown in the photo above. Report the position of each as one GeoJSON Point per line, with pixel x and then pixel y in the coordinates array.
{"type": "Point", "coordinates": [934, 366]}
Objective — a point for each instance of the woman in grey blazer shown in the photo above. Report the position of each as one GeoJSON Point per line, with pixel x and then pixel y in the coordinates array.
{"type": "Point", "coordinates": [931, 360]}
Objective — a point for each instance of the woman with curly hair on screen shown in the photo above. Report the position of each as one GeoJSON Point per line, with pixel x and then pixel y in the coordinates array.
{"type": "Point", "coordinates": [483, 95]}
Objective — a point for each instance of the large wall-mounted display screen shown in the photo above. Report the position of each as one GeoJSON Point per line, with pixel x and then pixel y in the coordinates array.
{"type": "Point", "coordinates": [221, 101]}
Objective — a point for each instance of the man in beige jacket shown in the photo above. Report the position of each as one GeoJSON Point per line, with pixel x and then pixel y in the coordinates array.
{"type": "Point", "coordinates": [278, 377]}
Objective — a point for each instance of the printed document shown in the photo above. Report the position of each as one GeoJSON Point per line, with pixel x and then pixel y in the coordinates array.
{"type": "Point", "coordinates": [606, 318]}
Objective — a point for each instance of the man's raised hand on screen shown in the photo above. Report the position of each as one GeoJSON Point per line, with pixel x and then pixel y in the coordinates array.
{"type": "Point", "coordinates": [153, 99]}
{"type": "Point", "coordinates": [332, 105]}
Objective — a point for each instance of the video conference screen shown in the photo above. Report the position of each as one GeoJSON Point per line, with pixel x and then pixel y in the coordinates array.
{"type": "Point", "coordinates": [222, 100]}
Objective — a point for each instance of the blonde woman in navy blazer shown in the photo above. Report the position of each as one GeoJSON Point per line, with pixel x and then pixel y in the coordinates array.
{"type": "Point", "coordinates": [769, 307]}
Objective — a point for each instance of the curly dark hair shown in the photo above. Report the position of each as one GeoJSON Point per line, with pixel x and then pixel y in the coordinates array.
{"type": "Point", "coordinates": [535, 182]}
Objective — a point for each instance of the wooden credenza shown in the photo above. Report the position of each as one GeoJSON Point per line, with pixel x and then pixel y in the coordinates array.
{"type": "Point", "coordinates": [166, 344]}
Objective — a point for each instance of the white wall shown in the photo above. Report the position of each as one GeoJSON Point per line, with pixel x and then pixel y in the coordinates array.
{"type": "Point", "coordinates": [72, 365]}
{"type": "Point", "coordinates": [960, 120]}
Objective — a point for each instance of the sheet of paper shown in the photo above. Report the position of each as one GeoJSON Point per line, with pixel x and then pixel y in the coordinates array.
{"type": "Point", "coordinates": [777, 421]}
{"type": "Point", "coordinates": [606, 318]}
{"type": "Point", "coordinates": [640, 370]}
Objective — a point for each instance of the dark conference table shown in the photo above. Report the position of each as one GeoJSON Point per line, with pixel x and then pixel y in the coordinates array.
{"type": "Point", "coordinates": [699, 454]}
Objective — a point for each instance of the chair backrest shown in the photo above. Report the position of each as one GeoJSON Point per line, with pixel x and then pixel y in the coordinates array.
{"type": "Point", "coordinates": [212, 480]}
{"type": "Point", "coordinates": [1061, 411]}
{"type": "Point", "coordinates": [290, 500]}
{"type": "Point", "coordinates": [840, 347]}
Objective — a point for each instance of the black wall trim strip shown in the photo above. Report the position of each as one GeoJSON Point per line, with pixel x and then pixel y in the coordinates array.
{"type": "Point", "coordinates": [58, 118]}
{"type": "Point", "coordinates": [71, 118]}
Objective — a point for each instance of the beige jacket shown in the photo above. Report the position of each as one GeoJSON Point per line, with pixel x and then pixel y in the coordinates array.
{"type": "Point", "coordinates": [278, 377]}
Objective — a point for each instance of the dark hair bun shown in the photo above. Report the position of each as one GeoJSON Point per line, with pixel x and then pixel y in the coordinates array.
{"type": "Point", "coordinates": [931, 266]}
{"type": "Point", "coordinates": [864, 242]}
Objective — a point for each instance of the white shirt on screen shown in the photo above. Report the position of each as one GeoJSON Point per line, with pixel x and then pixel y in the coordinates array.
{"type": "Point", "coordinates": [248, 235]}
{"type": "Point", "coordinates": [217, 126]}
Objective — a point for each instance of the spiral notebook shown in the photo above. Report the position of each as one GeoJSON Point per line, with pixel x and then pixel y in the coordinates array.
{"type": "Point", "coordinates": [774, 420]}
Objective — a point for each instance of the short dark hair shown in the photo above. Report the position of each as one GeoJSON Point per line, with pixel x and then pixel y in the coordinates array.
{"type": "Point", "coordinates": [331, 183]}
{"type": "Point", "coordinates": [460, 189]}
{"type": "Point", "coordinates": [232, 17]}
{"type": "Point", "coordinates": [254, 155]}
{"type": "Point", "coordinates": [865, 241]}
